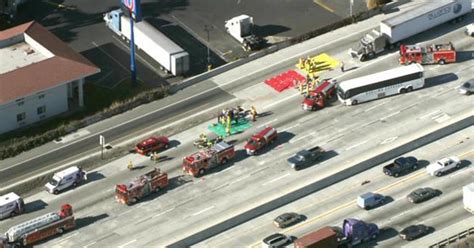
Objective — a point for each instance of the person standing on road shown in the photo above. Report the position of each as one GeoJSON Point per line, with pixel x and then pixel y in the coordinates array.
{"type": "Point", "coordinates": [342, 66]}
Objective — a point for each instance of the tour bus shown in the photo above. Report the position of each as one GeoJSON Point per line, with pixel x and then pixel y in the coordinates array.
{"type": "Point", "coordinates": [381, 84]}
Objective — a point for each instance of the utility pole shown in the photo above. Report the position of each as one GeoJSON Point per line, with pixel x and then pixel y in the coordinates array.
{"type": "Point", "coordinates": [351, 5]}
{"type": "Point", "coordinates": [208, 28]}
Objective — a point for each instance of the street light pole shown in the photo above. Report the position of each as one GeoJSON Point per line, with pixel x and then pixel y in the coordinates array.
{"type": "Point", "coordinates": [351, 4]}
{"type": "Point", "coordinates": [208, 28]}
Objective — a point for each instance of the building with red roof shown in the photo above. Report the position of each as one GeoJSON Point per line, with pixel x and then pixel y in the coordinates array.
{"type": "Point", "coordinates": [40, 75]}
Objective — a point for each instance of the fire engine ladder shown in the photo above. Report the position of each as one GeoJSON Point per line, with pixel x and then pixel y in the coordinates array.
{"type": "Point", "coordinates": [28, 226]}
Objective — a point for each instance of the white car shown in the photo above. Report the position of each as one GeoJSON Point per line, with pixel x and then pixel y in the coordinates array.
{"type": "Point", "coordinates": [443, 165]}
{"type": "Point", "coordinates": [470, 30]}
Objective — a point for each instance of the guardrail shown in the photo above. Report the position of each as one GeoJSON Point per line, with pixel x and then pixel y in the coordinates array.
{"type": "Point", "coordinates": [452, 239]}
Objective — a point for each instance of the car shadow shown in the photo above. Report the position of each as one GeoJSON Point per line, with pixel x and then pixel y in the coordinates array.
{"type": "Point", "coordinates": [264, 114]}
{"type": "Point", "coordinates": [387, 199]}
{"type": "Point", "coordinates": [35, 206]}
{"type": "Point", "coordinates": [174, 143]}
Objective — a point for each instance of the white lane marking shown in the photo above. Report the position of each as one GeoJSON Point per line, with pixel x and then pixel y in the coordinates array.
{"type": "Point", "coordinates": [162, 213]}
{"type": "Point", "coordinates": [302, 137]}
{"type": "Point", "coordinates": [68, 237]}
{"type": "Point", "coordinates": [281, 100]}
{"type": "Point", "coordinates": [356, 145]}
{"type": "Point", "coordinates": [460, 172]}
{"type": "Point", "coordinates": [390, 115]}
{"type": "Point", "coordinates": [266, 124]}
{"type": "Point", "coordinates": [226, 169]}
{"type": "Point", "coordinates": [90, 244]}
{"type": "Point", "coordinates": [125, 212]}
{"type": "Point", "coordinates": [143, 204]}
{"type": "Point", "coordinates": [129, 242]}
{"type": "Point", "coordinates": [287, 128]}
{"type": "Point", "coordinates": [430, 114]}
{"type": "Point", "coordinates": [389, 140]}
{"type": "Point", "coordinates": [204, 210]}
{"type": "Point", "coordinates": [375, 106]}
{"type": "Point", "coordinates": [276, 179]}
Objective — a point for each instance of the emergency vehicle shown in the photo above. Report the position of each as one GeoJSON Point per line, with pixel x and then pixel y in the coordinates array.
{"type": "Point", "coordinates": [316, 99]}
{"type": "Point", "coordinates": [142, 186]}
{"type": "Point", "coordinates": [152, 144]}
{"type": "Point", "coordinates": [198, 163]}
{"type": "Point", "coordinates": [70, 177]}
{"type": "Point", "coordinates": [260, 140]}
{"type": "Point", "coordinates": [432, 54]}
{"type": "Point", "coordinates": [10, 205]}
{"type": "Point", "coordinates": [40, 228]}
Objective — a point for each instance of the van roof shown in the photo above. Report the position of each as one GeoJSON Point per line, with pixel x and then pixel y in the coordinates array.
{"type": "Point", "coordinates": [66, 172]}
{"type": "Point", "coordinates": [10, 197]}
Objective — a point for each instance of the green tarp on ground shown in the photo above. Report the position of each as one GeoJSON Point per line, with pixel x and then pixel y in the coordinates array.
{"type": "Point", "coordinates": [219, 129]}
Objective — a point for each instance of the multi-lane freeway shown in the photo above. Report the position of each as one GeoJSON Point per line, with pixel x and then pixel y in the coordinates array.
{"type": "Point", "coordinates": [192, 210]}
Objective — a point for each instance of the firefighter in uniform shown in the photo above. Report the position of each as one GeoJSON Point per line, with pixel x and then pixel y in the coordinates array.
{"type": "Point", "coordinates": [227, 128]}
{"type": "Point", "coordinates": [130, 165]}
{"type": "Point", "coordinates": [253, 112]}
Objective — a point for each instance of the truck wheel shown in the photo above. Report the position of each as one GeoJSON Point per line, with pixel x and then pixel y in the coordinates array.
{"type": "Point", "coordinates": [55, 191]}
{"type": "Point", "coordinates": [438, 174]}
{"type": "Point", "coordinates": [374, 236]}
{"type": "Point", "coordinates": [157, 189]}
{"type": "Point", "coordinates": [371, 55]}
{"type": "Point", "coordinates": [354, 102]}
{"type": "Point", "coordinates": [224, 161]}
{"type": "Point", "coordinates": [396, 174]}
{"type": "Point", "coordinates": [442, 62]}
{"type": "Point", "coordinates": [60, 230]}
{"type": "Point", "coordinates": [167, 146]}
{"type": "Point", "coordinates": [74, 185]}
{"type": "Point", "coordinates": [12, 214]}
{"type": "Point", "coordinates": [458, 166]}
{"type": "Point", "coordinates": [414, 167]}
{"type": "Point", "coordinates": [201, 172]}
{"type": "Point", "coordinates": [363, 58]}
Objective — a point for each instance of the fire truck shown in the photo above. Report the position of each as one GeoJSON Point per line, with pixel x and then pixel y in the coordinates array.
{"type": "Point", "coordinates": [260, 140]}
{"type": "Point", "coordinates": [432, 54]}
{"type": "Point", "coordinates": [316, 99]}
{"type": "Point", "coordinates": [198, 163]}
{"type": "Point", "coordinates": [40, 228]}
{"type": "Point", "coordinates": [142, 186]}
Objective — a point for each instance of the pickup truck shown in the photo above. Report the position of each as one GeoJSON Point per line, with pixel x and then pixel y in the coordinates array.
{"type": "Point", "coordinates": [400, 165]}
{"type": "Point", "coordinates": [443, 165]}
{"type": "Point", "coordinates": [305, 157]}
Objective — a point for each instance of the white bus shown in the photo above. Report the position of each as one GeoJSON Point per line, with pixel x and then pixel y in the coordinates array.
{"type": "Point", "coordinates": [399, 80]}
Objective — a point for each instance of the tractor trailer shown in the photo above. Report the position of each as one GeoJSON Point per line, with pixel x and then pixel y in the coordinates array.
{"type": "Point", "coordinates": [395, 29]}
{"type": "Point", "coordinates": [468, 197]}
{"type": "Point", "coordinates": [151, 41]}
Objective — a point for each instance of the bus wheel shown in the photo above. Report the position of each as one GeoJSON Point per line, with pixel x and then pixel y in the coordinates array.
{"type": "Point", "coordinates": [409, 89]}
{"type": "Point", "coordinates": [403, 91]}
{"type": "Point", "coordinates": [354, 102]}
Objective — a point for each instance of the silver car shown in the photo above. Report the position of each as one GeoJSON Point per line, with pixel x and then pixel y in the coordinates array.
{"type": "Point", "coordinates": [467, 88]}
{"type": "Point", "coordinates": [276, 240]}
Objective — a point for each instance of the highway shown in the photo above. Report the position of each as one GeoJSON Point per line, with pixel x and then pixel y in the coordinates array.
{"type": "Point", "coordinates": [331, 205]}
{"type": "Point", "coordinates": [189, 206]}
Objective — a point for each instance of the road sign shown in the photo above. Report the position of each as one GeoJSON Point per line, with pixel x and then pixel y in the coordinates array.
{"type": "Point", "coordinates": [101, 140]}
{"type": "Point", "coordinates": [133, 8]}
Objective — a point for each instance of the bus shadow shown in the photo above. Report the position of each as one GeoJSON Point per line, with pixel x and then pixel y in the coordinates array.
{"type": "Point", "coordinates": [440, 79]}
{"type": "Point", "coordinates": [463, 56]}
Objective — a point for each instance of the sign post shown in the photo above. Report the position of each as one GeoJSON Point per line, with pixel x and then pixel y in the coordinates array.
{"type": "Point", "coordinates": [102, 144]}
{"type": "Point", "coordinates": [133, 9]}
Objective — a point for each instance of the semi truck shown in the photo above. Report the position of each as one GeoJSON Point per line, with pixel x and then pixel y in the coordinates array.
{"type": "Point", "coordinates": [260, 140]}
{"type": "Point", "coordinates": [353, 232]}
{"type": "Point", "coordinates": [198, 163]}
{"type": "Point", "coordinates": [142, 186]}
{"type": "Point", "coordinates": [424, 55]}
{"type": "Point", "coordinates": [468, 197]}
{"type": "Point", "coordinates": [394, 30]}
{"type": "Point", "coordinates": [317, 98]}
{"type": "Point", "coordinates": [168, 54]}
{"type": "Point", "coordinates": [306, 157]}
{"type": "Point", "coordinates": [39, 228]}
{"type": "Point", "coordinates": [241, 28]}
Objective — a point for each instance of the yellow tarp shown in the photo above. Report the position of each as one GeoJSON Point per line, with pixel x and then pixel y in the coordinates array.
{"type": "Point", "coordinates": [317, 64]}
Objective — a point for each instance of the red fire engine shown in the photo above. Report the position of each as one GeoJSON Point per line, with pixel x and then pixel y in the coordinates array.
{"type": "Point", "coordinates": [40, 228]}
{"type": "Point", "coordinates": [317, 98]}
{"type": "Point", "coordinates": [152, 144]}
{"type": "Point", "coordinates": [199, 162]}
{"type": "Point", "coordinates": [142, 186]}
{"type": "Point", "coordinates": [432, 54]}
{"type": "Point", "coordinates": [260, 140]}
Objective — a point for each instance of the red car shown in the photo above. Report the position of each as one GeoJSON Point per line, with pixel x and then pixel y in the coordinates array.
{"type": "Point", "coordinates": [152, 144]}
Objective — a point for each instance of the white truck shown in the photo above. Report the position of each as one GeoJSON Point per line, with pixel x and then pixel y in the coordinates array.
{"type": "Point", "coordinates": [468, 197]}
{"type": "Point", "coordinates": [10, 205]}
{"type": "Point", "coordinates": [395, 29]}
{"type": "Point", "coordinates": [70, 177]}
{"type": "Point", "coordinates": [241, 28]}
{"type": "Point", "coordinates": [168, 54]}
{"type": "Point", "coordinates": [443, 165]}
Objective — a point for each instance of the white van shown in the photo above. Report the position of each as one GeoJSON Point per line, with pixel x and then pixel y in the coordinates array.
{"type": "Point", "coordinates": [10, 205]}
{"type": "Point", "coordinates": [70, 177]}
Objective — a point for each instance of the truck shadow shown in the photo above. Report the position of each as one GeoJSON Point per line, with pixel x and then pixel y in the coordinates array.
{"type": "Point", "coordinates": [464, 164]}
{"type": "Point", "coordinates": [385, 234]}
{"type": "Point", "coordinates": [173, 183]}
{"type": "Point", "coordinates": [35, 206]}
{"type": "Point", "coordinates": [93, 176]}
{"type": "Point", "coordinates": [440, 79]}
{"type": "Point", "coordinates": [463, 56]}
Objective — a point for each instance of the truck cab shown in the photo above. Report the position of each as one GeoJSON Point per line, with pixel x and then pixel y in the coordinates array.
{"type": "Point", "coordinates": [400, 165]}
{"type": "Point", "coordinates": [305, 157]}
{"type": "Point", "coordinates": [10, 205]}
{"type": "Point", "coordinates": [260, 140]}
{"type": "Point", "coordinates": [70, 177]}
{"type": "Point", "coordinates": [357, 231]}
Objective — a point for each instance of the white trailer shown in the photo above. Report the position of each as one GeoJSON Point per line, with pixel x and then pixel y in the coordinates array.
{"type": "Point", "coordinates": [468, 197]}
{"type": "Point", "coordinates": [395, 29]}
{"type": "Point", "coordinates": [168, 54]}
{"type": "Point", "coordinates": [241, 28]}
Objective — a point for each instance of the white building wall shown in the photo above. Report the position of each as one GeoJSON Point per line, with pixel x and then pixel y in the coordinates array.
{"type": "Point", "coordinates": [55, 100]}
